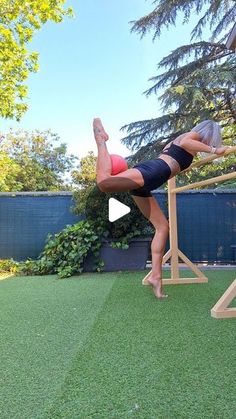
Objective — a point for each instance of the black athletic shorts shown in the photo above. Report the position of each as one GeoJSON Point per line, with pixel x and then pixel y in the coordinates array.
{"type": "Point", "coordinates": [155, 173]}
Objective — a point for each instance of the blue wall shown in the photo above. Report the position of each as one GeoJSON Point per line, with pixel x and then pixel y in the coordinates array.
{"type": "Point", "coordinates": [26, 219]}
{"type": "Point", "coordinates": [206, 223]}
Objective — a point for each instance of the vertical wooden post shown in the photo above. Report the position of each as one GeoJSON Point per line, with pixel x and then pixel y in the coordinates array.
{"type": "Point", "coordinates": [173, 229]}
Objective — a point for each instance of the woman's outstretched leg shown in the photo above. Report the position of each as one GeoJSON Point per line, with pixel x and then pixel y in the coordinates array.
{"type": "Point", "coordinates": [151, 210]}
{"type": "Point", "coordinates": [103, 159]}
{"type": "Point", "coordinates": [125, 181]}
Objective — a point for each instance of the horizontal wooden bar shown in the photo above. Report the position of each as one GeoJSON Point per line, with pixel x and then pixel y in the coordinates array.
{"type": "Point", "coordinates": [206, 182]}
{"type": "Point", "coordinates": [175, 281]}
{"type": "Point", "coordinates": [209, 159]}
{"type": "Point", "coordinates": [180, 281]}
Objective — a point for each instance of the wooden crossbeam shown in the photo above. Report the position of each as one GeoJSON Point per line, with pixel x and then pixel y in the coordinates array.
{"type": "Point", "coordinates": [206, 182]}
{"type": "Point", "coordinates": [175, 274]}
{"type": "Point", "coordinates": [209, 159]}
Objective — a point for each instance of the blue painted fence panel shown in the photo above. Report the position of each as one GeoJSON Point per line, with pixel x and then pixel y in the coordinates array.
{"type": "Point", "coordinates": [26, 219]}
{"type": "Point", "coordinates": [206, 223]}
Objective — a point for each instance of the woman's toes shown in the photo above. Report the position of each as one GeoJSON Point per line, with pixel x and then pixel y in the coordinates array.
{"type": "Point", "coordinates": [99, 132]}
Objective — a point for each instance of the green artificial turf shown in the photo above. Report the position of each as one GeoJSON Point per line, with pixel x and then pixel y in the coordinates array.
{"type": "Point", "coordinates": [101, 346]}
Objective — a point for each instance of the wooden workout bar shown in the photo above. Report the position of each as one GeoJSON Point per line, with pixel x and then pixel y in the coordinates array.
{"type": "Point", "coordinates": [174, 253]}
{"type": "Point", "coordinates": [220, 310]}
{"type": "Point", "coordinates": [209, 159]}
{"type": "Point", "coordinates": [206, 182]}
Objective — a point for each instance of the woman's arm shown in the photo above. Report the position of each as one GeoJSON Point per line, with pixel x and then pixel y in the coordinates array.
{"type": "Point", "coordinates": [191, 142]}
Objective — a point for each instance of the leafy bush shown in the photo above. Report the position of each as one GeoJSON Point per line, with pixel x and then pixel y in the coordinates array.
{"type": "Point", "coordinates": [64, 253]}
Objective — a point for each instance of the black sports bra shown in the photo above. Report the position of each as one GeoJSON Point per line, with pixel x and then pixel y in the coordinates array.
{"type": "Point", "coordinates": [183, 157]}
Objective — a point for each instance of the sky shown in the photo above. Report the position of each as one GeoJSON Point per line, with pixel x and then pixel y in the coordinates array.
{"type": "Point", "coordinates": [93, 66]}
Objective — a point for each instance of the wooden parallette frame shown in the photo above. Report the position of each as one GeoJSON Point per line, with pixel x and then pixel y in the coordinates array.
{"type": "Point", "coordinates": [175, 253]}
{"type": "Point", "coordinates": [221, 309]}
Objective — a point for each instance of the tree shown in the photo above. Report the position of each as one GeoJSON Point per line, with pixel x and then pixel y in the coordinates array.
{"type": "Point", "coordinates": [9, 171]}
{"type": "Point", "coordinates": [41, 160]}
{"type": "Point", "coordinates": [19, 20]}
{"type": "Point", "coordinates": [85, 177]}
{"type": "Point", "coordinates": [199, 78]}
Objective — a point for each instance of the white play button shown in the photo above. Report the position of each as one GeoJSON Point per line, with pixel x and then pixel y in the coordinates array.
{"type": "Point", "coordinates": [116, 209]}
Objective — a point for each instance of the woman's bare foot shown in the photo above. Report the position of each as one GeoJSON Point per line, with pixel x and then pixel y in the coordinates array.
{"type": "Point", "coordinates": [99, 132]}
{"type": "Point", "coordinates": [156, 285]}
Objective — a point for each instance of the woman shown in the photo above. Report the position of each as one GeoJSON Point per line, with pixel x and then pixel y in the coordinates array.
{"type": "Point", "coordinates": [149, 175]}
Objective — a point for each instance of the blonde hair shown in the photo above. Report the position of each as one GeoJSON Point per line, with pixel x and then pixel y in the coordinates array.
{"type": "Point", "coordinates": [210, 132]}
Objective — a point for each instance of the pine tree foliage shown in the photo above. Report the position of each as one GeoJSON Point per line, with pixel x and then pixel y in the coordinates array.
{"type": "Point", "coordinates": [199, 79]}
{"type": "Point", "coordinates": [145, 132]}
{"type": "Point", "coordinates": [218, 14]}
{"type": "Point", "coordinates": [205, 55]}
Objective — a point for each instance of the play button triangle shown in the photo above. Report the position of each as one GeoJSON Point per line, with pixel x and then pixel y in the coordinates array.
{"type": "Point", "coordinates": [116, 209]}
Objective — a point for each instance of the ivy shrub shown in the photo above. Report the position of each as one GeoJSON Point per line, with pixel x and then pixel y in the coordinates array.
{"type": "Point", "coordinates": [64, 253]}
